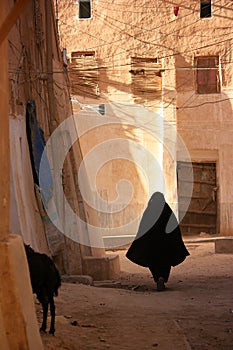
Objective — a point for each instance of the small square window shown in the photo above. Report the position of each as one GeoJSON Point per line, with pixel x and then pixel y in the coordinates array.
{"type": "Point", "coordinates": [101, 109]}
{"type": "Point", "coordinates": [205, 8]}
{"type": "Point", "coordinates": [84, 8]}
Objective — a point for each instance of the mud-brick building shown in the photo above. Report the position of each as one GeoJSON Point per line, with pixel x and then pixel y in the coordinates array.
{"type": "Point", "coordinates": [162, 70]}
{"type": "Point", "coordinates": [39, 104]}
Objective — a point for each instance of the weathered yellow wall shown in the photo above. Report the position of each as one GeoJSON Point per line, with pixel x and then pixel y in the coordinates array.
{"type": "Point", "coordinates": [16, 302]}
{"type": "Point", "coordinates": [112, 153]}
{"type": "Point", "coordinates": [36, 73]}
{"type": "Point", "coordinates": [119, 30]}
{"type": "Point", "coordinates": [114, 45]}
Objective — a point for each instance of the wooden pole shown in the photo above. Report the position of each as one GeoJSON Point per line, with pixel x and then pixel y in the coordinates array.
{"type": "Point", "coordinates": [8, 21]}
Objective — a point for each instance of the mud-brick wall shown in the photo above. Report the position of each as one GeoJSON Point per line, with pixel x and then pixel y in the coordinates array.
{"type": "Point", "coordinates": [36, 72]}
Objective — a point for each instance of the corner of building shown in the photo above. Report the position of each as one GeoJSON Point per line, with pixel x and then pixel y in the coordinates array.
{"type": "Point", "coordinates": [20, 331]}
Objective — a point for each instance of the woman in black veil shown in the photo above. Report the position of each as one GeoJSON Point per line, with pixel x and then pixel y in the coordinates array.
{"type": "Point", "coordinates": [158, 244]}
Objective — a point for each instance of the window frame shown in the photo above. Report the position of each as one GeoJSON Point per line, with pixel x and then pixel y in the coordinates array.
{"type": "Point", "coordinates": [205, 12]}
{"type": "Point", "coordinates": [203, 72]}
{"type": "Point", "coordinates": [80, 4]}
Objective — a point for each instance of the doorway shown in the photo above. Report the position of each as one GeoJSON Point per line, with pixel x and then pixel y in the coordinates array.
{"type": "Point", "coordinates": [201, 215]}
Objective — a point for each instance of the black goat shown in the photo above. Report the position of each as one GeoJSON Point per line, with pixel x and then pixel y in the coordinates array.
{"type": "Point", "coordinates": [45, 281]}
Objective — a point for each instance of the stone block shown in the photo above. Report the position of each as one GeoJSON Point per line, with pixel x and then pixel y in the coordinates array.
{"type": "Point", "coordinates": [224, 245]}
{"type": "Point", "coordinates": [101, 268]}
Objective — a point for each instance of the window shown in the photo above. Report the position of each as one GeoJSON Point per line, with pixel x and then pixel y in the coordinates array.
{"type": "Point", "coordinates": [101, 109]}
{"type": "Point", "coordinates": [84, 8]}
{"type": "Point", "coordinates": [207, 75]}
{"type": "Point", "coordinates": [205, 8]}
{"type": "Point", "coordinates": [83, 74]}
{"type": "Point", "coordinates": [146, 75]}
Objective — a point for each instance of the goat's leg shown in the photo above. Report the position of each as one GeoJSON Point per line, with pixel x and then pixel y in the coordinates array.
{"type": "Point", "coordinates": [45, 314]}
{"type": "Point", "coordinates": [52, 313]}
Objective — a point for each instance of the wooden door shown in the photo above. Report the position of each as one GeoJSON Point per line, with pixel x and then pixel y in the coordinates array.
{"type": "Point", "coordinates": [201, 215]}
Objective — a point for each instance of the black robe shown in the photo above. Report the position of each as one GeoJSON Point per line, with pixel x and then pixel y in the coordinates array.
{"type": "Point", "coordinates": [159, 239]}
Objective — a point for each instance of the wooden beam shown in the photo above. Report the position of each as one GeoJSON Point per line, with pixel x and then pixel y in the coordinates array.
{"type": "Point", "coordinates": [10, 19]}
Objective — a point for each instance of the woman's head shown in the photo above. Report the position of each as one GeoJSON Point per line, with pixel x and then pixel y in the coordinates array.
{"type": "Point", "coordinates": [157, 197]}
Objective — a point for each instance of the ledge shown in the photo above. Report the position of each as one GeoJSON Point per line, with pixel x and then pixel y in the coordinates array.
{"type": "Point", "coordinates": [224, 245]}
{"type": "Point", "coordinates": [101, 268]}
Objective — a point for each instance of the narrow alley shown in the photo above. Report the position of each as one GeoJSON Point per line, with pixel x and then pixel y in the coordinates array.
{"type": "Point", "coordinates": [194, 312]}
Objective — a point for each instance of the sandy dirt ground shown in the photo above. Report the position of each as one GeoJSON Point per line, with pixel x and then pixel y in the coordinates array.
{"type": "Point", "coordinates": [194, 312]}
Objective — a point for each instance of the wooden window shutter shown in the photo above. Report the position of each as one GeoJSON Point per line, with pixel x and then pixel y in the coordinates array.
{"type": "Point", "coordinates": [207, 75]}
{"type": "Point", "coordinates": [146, 78]}
{"type": "Point", "coordinates": [83, 74]}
